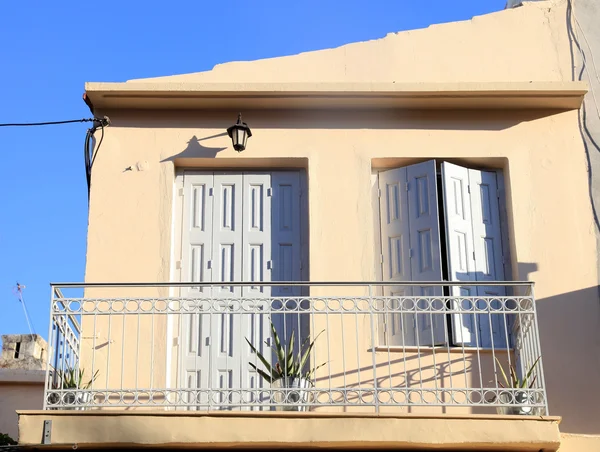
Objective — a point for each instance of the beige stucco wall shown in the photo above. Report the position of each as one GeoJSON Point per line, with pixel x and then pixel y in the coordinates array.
{"type": "Point", "coordinates": [551, 235]}
{"type": "Point", "coordinates": [226, 430]}
{"type": "Point", "coordinates": [578, 443]}
{"type": "Point", "coordinates": [540, 152]}
{"type": "Point", "coordinates": [522, 44]}
{"type": "Point", "coordinates": [18, 395]}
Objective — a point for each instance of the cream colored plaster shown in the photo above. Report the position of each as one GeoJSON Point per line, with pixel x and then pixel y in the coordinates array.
{"type": "Point", "coordinates": [540, 152]}
{"type": "Point", "coordinates": [521, 44]}
{"type": "Point", "coordinates": [203, 429]}
{"type": "Point", "coordinates": [328, 96]}
{"type": "Point", "coordinates": [15, 395]}
{"type": "Point", "coordinates": [579, 443]}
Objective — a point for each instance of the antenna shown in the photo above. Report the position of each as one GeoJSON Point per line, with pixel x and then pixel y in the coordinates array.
{"type": "Point", "coordinates": [18, 291]}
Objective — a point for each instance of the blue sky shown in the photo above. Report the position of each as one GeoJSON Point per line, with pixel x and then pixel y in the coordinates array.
{"type": "Point", "coordinates": [50, 49]}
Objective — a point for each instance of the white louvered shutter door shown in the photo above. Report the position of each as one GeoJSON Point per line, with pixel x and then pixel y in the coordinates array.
{"type": "Point", "coordinates": [395, 246]}
{"type": "Point", "coordinates": [196, 254]}
{"type": "Point", "coordinates": [426, 264]}
{"type": "Point", "coordinates": [254, 326]}
{"type": "Point", "coordinates": [411, 250]}
{"type": "Point", "coordinates": [488, 254]}
{"type": "Point", "coordinates": [227, 357]}
{"type": "Point", "coordinates": [459, 249]}
{"type": "Point", "coordinates": [474, 239]}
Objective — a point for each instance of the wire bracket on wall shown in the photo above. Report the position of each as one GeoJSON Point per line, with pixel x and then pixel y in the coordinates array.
{"type": "Point", "coordinates": [91, 150]}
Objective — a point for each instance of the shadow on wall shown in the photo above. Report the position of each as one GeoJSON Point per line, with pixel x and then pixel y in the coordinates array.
{"type": "Point", "coordinates": [332, 119]}
{"type": "Point", "coordinates": [569, 325]}
{"type": "Point", "coordinates": [196, 150]}
{"type": "Point", "coordinates": [524, 270]}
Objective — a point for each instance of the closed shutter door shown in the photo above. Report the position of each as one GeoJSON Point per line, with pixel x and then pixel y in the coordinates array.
{"type": "Point", "coordinates": [196, 255]}
{"type": "Point", "coordinates": [232, 232]}
{"type": "Point", "coordinates": [286, 252]}
{"type": "Point", "coordinates": [253, 325]}
{"type": "Point", "coordinates": [226, 353]}
{"type": "Point", "coordinates": [410, 251]}
{"type": "Point", "coordinates": [474, 251]}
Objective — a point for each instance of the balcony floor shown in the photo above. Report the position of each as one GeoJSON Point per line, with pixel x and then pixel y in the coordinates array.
{"type": "Point", "coordinates": [145, 429]}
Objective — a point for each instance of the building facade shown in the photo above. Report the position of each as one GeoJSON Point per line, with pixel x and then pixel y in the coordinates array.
{"type": "Point", "coordinates": [396, 200]}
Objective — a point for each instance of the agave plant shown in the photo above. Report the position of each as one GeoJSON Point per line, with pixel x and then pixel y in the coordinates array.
{"type": "Point", "coordinates": [514, 381]}
{"type": "Point", "coordinates": [288, 365]}
{"type": "Point", "coordinates": [71, 378]}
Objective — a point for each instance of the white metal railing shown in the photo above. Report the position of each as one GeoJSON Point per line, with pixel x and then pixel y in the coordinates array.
{"type": "Point", "coordinates": [187, 346]}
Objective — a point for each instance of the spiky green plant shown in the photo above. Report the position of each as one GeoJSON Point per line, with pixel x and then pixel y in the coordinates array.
{"type": "Point", "coordinates": [71, 378]}
{"type": "Point", "coordinates": [6, 440]}
{"type": "Point", "coordinates": [288, 364]}
{"type": "Point", "coordinates": [514, 381]}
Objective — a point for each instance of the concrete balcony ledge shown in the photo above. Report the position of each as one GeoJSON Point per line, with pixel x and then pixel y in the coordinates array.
{"type": "Point", "coordinates": [107, 429]}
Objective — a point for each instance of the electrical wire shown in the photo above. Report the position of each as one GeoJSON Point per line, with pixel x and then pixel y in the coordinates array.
{"type": "Point", "coordinates": [49, 123]}
{"type": "Point", "coordinates": [589, 143]}
{"type": "Point", "coordinates": [584, 56]}
{"type": "Point", "coordinates": [90, 151]}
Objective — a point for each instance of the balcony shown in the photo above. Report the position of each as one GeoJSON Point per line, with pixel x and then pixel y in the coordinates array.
{"type": "Point", "coordinates": [305, 350]}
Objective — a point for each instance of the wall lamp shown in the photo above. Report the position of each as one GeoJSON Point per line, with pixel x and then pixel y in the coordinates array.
{"type": "Point", "coordinates": [239, 133]}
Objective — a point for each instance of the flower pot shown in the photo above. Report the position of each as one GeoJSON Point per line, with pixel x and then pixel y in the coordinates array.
{"type": "Point", "coordinates": [291, 394]}
{"type": "Point", "coordinates": [76, 400]}
{"type": "Point", "coordinates": [520, 405]}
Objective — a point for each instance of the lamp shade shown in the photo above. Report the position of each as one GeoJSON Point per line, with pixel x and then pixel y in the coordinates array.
{"type": "Point", "coordinates": [239, 134]}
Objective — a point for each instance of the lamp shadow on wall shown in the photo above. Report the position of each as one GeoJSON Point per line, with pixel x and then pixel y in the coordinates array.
{"type": "Point", "coordinates": [195, 149]}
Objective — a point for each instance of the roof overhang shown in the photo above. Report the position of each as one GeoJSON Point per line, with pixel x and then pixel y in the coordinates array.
{"type": "Point", "coordinates": [489, 95]}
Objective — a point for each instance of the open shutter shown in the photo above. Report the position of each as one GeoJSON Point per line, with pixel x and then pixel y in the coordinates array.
{"type": "Point", "coordinates": [395, 243]}
{"type": "Point", "coordinates": [410, 250]}
{"type": "Point", "coordinates": [425, 247]}
{"type": "Point", "coordinates": [474, 249]}
{"type": "Point", "coordinates": [488, 253]}
{"type": "Point", "coordinates": [459, 248]}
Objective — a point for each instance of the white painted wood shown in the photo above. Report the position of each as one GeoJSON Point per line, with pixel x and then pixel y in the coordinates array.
{"type": "Point", "coordinates": [256, 225]}
{"type": "Point", "coordinates": [249, 228]}
{"type": "Point", "coordinates": [395, 249]}
{"type": "Point", "coordinates": [227, 233]}
{"type": "Point", "coordinates": [285, 232]}
{"type": "Point", "coordinates": [459, 248]}
{"type": "Point", "coordinates": [410, 249]}
{"type": "Point", "coordinates": [286, 248]}
{"type": "Point", "coordinates": [426, 262]}
{"type": "Point", "coordinates": [487, 238]}
{"type": "Point", "coordinates": [197, 235]}
{"type": "Point", "coordinates": [257, 212]}
{"type": "Point", "coordinates": [472, 211]}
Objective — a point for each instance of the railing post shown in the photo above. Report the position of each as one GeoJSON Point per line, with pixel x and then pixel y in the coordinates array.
{"type": "Point", "coordinates": [373, 344]}
{"type": "Point", "coordinates": [538, 348]}
{"type": "Point", "coordinates": [50, 352]}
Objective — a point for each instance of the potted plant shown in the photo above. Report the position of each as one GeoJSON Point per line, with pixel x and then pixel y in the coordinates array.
{"type": "Point", "coordinates": [289, 373]}
{"type": "Point", "coordinates": [71, 378]}
{"type": "Point", "coordinates": [516, 391]}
